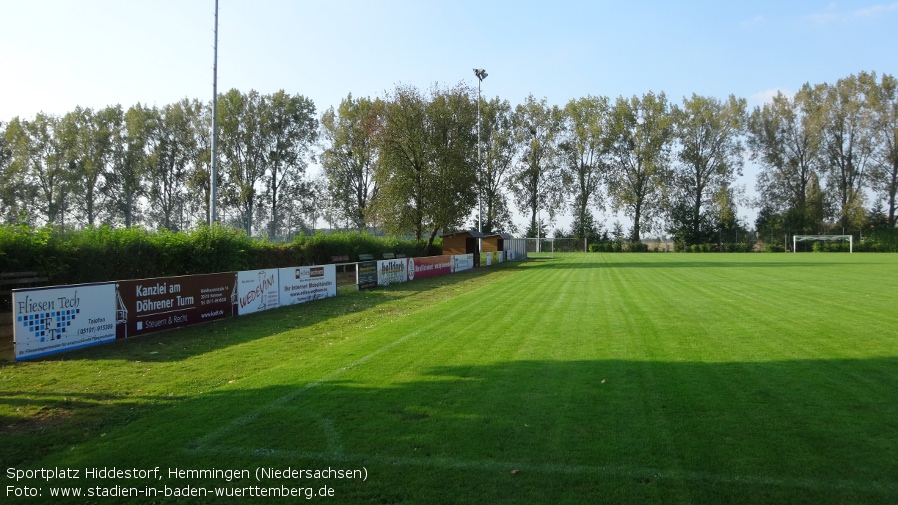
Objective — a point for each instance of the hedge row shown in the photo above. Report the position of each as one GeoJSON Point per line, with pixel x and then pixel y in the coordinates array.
{"type": "Point", "coordinates": [730, 247]}
{"type": "Point", "coordinates": [105, 254]}
{"type": "Point", "coordinates": [615, 246]}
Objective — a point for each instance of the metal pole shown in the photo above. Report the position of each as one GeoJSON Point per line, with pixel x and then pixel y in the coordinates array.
{"type": "Point", "coordinates": [536, 197]}
{"type": "Point", "coordinates": [479, 167]}
{"type": "Point", "coordinates": [213, 187]}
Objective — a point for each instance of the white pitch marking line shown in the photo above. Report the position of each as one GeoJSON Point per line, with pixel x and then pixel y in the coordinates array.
{"type": "Point", "coordinates": [206, 439]}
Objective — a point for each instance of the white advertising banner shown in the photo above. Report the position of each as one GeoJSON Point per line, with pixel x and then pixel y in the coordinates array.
{"type": "Point", "coordinates": [303, 284]}
{"type": "Point", "coordinates": [257, 290]}
{"type": "Point", "coordinates": [392, 271]}
{"type": "Point", "coordinates": [463, 262]}
{"type": "Point", "coordinates": [51, 320]}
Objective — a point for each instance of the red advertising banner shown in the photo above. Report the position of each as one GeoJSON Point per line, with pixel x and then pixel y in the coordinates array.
{"type": "Point", "coordinates": [429, 266]}
{"type": "Point", "coordinates": [163, 303]}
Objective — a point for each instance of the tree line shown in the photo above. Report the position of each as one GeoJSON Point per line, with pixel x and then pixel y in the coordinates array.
{"type": "Point", "coordinates": [408, 163]}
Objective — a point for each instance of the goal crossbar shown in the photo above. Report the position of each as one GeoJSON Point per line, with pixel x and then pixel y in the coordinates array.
{"type": "Point", "coordinates": [825, 238]}
{"type": "Point", "coordinates": [546, 247]}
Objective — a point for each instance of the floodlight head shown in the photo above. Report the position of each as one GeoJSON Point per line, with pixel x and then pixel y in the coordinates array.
{"type": "Point", "coordinates": [480, 73]}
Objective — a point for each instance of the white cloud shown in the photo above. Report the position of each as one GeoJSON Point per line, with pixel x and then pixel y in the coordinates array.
{"type": "Point", "coordinates": [766, 96]}
{"type": "Point", "coordinates": [832, 14]}
{"type": "Point", "coordinates": [755, 21]}
{"type": "Point", "coordinates": [876, 9]}
{"type": "Point", "coordinates": [829, 15]}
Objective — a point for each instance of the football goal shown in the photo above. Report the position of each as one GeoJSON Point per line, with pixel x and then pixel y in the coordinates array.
{"type": "Point", "coordinates": [822, 238]}
{"type": "Point", "coordinates": [547, 247]}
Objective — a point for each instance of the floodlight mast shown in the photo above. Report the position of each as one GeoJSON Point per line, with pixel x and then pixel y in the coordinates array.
{"type": "Point", "coordinates": [481, 75]}
{"type": "Point", "coordinates": [213, 179]}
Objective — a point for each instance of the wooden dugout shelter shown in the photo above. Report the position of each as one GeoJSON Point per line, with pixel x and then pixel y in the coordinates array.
{"type": "Point", "coordinates": [463, 242]}
{"type": "Point", "coordinates": [494, 243]}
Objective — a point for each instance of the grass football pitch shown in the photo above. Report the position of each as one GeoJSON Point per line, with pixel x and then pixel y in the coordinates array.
{"type": "Point", "coordinates": [586, 378]}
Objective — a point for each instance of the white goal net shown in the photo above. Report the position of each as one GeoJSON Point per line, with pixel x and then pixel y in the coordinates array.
{"type": "Point", "coordinates": [547, 247]}
{"type": "Point", "coordinates": [822, 238]}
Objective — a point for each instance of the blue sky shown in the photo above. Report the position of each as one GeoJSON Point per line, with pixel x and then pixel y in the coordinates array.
{"type": "Point", "coordinates": [60, 54]}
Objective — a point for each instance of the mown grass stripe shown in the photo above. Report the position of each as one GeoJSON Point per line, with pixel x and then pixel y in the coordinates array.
{"type": "Point", "coordinates": [630, 377]}
{"type": "Point", "coordinates": [702, 478]}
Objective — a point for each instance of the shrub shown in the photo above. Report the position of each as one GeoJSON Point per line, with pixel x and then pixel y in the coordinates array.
{"type": "Point", "coordinates": [104, 254]}
{"type": "Point", "coordinates": [637, 247]}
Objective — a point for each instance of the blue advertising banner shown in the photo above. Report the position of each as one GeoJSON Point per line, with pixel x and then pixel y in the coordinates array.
{"type": "Point", "coordinates": [366, 275]}
{"type": "Point", "coordinates": [56, 319]}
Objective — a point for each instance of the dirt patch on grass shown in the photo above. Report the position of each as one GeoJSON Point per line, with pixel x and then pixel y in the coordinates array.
{"type": "Point", "coordinates": [42, 419]}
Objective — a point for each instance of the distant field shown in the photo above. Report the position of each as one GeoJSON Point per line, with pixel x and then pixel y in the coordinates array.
{"type": "Point", "coordinates": [587, 378]}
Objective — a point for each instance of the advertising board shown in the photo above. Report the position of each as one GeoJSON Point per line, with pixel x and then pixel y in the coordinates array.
{"type": "Point", "coordinates": [462, 262]}
{"type": "Point", "coordinates": [429, 266]}
{"type": "Point", "coordinates": [56, 319]}
{"type": "Point", "coordinates": [392, 271]}
{"type": "Point", "coordinates": [366, 275]}
{"type": "Point", "coordinates": [163, 303]}
{"type": "Point", "coordinates": [257, 290]}
{"type": "Point", "coordinates": [494, 257]}
{"type": "Point", "coordinates": [303, 284]}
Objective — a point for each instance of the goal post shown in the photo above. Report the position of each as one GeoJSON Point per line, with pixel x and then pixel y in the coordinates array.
{"type": "Point", "coordinates": [540, 247]}
{"type": "Point", "coordinates": [824, 238]}
{"type": "Point", "coordinates": [547, 247]}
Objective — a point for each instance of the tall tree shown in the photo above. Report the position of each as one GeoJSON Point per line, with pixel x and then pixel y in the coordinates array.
{"type": "Point", "coordinates": [641, 134]}
{"type": "Point", "coordinates": [584, 149]}
{"type": "Point", "coordinates": [403, 173]}
{"type": "Point", "coordinates": [88, 138]}
{"type": "Point", "coordinates": [499, 150]}
{"type": "Point", "coordinates": [38, 166]}
{"type": "Point", "coordinates": [173, 152]}
{"type": "Point", "coordinates": [710, 154]}
{"type": "Point", "coordinates": [453, 126]}
{"type": "Point", "coordinates": [848, 141]}
{"type": "Point", "coordinates": [200, 169]}
{"type": "Point", "coordinates": [9, 181]}
{"type": "Point", "coordinates": [290, 130]}
{"type": "Point", "coordinates": [427, 170]}
{"type": "Point", "coordinates": [536, 182]}
{"type": "Point", "coordinates": [817, 204]}
{"type": "Point", "coordinates": [136, 135]}
{"type": "Point", "coordinates": [242, 145]}
{"type": "Point", "coordinates": [884, 172]}
{"type": "Point", "coordinates": [785, 138]}
{"type": "Point", "coordinates": [312, 202]}
{"type": "Point", "coordinates": [350, 155]}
